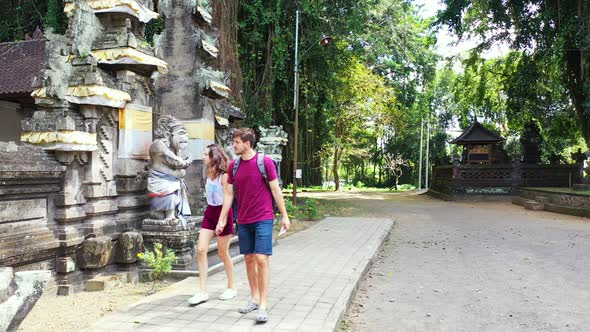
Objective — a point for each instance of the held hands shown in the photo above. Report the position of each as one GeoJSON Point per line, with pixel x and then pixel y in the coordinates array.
{"type": "Point", "coordinates": [219, 228]}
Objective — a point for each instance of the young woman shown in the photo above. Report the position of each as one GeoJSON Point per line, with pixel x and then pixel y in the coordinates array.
{"type": "Point", "coordinates": [216, 162]}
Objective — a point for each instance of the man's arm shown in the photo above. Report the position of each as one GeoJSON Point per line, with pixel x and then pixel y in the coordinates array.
{"type": "Point", "coordinates": [277, 194]}
{"type": "Point", "coordinates": [228, 199]}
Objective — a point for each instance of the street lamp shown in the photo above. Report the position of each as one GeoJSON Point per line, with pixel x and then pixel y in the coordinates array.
{"type": "Point", "coordinates": [324, 41]}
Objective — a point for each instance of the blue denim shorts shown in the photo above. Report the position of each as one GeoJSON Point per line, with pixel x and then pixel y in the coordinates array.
{"type": "Point", "coordinates": [256, 238]}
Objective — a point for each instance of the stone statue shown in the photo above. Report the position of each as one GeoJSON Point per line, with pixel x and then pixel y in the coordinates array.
{"type": "Point", "coordinates": [555, 159]}
{"type": "Point", "coordinates": [578, 157]}
{"type": "Point", "coordinates": [531, 142]}
{"type": "Point", "coordinates": [169, 160]}
{"type": "Point", "coordinates": [271, 141]}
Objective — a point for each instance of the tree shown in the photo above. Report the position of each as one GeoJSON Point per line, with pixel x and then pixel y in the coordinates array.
{"type": "Point", "coordinates": [395, 164]}
{"type": "Point", "coordinates": [360, 94]}
{"type": "Point", "coordinates": [21, 17]}
{"type": "Point", "coordinates": [386, 37]}
{"type": "Point", "coordinates": [554, 34]}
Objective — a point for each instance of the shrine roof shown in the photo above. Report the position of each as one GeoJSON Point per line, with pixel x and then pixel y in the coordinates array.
{"type": "Point", "coordinates": [477, 134]}
{"type": "Point", "coordinates": [20, 62]}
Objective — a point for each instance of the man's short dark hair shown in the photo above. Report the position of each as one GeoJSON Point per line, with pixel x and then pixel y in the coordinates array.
{"type": "Point", "coordinates": [246, 135]}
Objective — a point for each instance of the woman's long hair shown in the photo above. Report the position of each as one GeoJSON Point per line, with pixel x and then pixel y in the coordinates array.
{"type": "Point", "coordinates": [218, 159]}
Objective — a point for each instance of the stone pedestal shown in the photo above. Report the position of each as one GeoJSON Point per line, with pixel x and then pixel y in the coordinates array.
{"type": "Point", "coordinates": [95, 253]}
{"type": "Point", "coordinates": [175, 235]}
{"type": "Point", "coordinates": [128, 246]}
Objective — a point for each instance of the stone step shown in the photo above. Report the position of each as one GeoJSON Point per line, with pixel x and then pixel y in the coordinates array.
{"type": "Point", "coordinates": [517, 200]}
{"type": "Point", "coordinates": [581, 186]}
{"type": "Point", "coordinates": [533, 205]}
{"type": "Point", "coordinates": [104, 282]}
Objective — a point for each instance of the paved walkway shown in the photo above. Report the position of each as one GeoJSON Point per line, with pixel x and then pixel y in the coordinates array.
{"type": "Point", "coordinates": [314, 274]}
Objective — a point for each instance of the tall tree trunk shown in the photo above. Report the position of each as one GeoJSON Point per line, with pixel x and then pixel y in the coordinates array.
{"type": "Point", "coordinates": [327, 166]}
{"type": "Point", "coordinates": [335, 169]}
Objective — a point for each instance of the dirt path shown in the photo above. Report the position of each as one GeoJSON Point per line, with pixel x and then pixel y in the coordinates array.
{"type": "Point", "coordinates": [472, 267]}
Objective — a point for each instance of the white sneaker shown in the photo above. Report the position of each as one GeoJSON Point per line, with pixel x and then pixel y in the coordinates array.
{"type": "Point", "coordinates": [198, 298]}
{"type": "Point", "coordinates": [228, 294]}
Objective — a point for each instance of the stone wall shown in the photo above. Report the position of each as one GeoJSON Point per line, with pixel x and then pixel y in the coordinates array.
{"type": "Point", "coordinates": [500, 179]}
{"type": "Point", "coordinates": [68, 194]}
{"type": "Point", "coordinates": [557, 198]}
{"type": "Point", "coordinates": [30, 181]}
{"type": "Point", "coordinates": [72, 194]}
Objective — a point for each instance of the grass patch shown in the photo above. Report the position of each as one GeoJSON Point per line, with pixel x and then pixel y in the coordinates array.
{"type": "Point", "coordinates": [347, 188]}
{"type": "Point", "coordinates": [328, 207]}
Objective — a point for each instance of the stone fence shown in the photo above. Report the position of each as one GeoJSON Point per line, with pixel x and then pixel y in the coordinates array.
{"type": "Point", "coordinates": [501, 179]}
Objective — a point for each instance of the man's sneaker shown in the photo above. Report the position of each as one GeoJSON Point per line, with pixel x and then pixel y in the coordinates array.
{"type": "Point", "coordinates": [251, 306]}
{"type": "Point", "coordinates": [199, 298]}
{"type": "Point", "coordinates": [229, 294]}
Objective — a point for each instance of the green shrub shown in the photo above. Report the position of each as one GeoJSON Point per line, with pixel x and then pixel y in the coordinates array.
{"type": "Point", "coordinates": [292, 210]}
{"type": "Point", "coordinates": [307, 209]}
{"type": "Point", "coordinates": [160, 263]}
{"type": "Point", "coordinates": [402, 187]}
{"type": "Point", "coordinates": [310, 209]}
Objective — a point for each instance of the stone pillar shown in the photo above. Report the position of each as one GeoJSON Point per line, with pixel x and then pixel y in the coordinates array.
{"type": "Point", "coordinates": [517, 180]}
{"type": "Point", "coordinates": [194, 91]}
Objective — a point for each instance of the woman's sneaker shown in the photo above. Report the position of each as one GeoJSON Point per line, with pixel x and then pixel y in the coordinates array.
{"type": "Point", "coordinates": [200, 297]}
{"type": "Point", "coordinates": [229, 294]}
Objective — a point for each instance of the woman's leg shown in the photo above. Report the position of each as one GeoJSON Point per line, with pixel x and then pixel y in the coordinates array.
{"type": "Point", "coordinates": [205, 236]}
{"type": "Point", "coordinates": [223, 252]}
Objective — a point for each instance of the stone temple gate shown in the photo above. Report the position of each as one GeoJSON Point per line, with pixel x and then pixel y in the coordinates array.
{"type": "Point", "coordinates": [73, 172]}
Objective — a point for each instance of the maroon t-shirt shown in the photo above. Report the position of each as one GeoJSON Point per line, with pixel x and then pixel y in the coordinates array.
{"type": "Point", "coordinates": [254, 197]}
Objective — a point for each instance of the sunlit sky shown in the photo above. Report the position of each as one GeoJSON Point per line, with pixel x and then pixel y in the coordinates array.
{"type": "Point", "coordinates": [446, 39]}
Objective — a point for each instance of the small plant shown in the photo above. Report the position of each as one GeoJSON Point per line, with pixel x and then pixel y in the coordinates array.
{"type": "Point", "coordinates": [291, 209]}
{"type": "Point", "coordinates": [160, 263]}
{"type": "Point", "coordinates": [310, 210]}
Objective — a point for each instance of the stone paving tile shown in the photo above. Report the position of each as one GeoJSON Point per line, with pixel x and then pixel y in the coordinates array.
{"type": "Point", "coordinates": [306, 294]}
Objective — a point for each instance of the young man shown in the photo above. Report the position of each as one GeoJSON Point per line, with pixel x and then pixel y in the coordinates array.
{"type": "Point", "coordinates": [255, 217]}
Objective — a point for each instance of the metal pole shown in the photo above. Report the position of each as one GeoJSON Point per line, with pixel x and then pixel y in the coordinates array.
{"type": "Point", "coordinates": [296, 107]}
{"type": "Point", "coordinates": [426, 183]}
{"type": "Point", "coordinates": [420, 163]}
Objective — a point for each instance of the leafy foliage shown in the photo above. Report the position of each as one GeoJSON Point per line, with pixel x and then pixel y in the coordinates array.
{"type": "Point", "coordinates": [544, 75]}
{"type": "Point", "coordinates": [158, 261]}
{"type": "Point", "coordinates": [308, 209]}
{"type": "Point", "coordinates": [21, 17]}
{"type": "Point", "coordinates": [352, 92]}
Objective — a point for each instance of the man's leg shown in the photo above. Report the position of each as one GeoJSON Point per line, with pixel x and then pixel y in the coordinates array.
{"type": "Point", "coordinates": [263, 252]}
{"type": "Point", "coordinates": [262, 263]}
{"type": "Point", "coordinates": [246, 243]}
{"type": "Point", "coordinates": [252, 272]}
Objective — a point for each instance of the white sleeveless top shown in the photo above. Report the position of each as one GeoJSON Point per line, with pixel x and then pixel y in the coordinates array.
{"type": "Point", "coordinates": [214, 191]}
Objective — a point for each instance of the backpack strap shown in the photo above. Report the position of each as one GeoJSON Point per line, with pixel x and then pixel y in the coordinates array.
{"type": "Point", "coordinates": [234, 171]}
{"type": "Point", "coordinates": [261, 168]}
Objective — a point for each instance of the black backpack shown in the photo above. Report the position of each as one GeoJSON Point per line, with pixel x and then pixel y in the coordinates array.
{"type": "Point", "coordinates": [262, 169]}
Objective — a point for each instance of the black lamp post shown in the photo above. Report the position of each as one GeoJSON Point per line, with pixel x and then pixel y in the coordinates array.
{"type": "Point", "coordinates": [324, 41]}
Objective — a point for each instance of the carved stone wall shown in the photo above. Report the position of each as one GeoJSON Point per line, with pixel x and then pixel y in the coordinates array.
{"type": "Point", "coordinates": [80, 185]}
